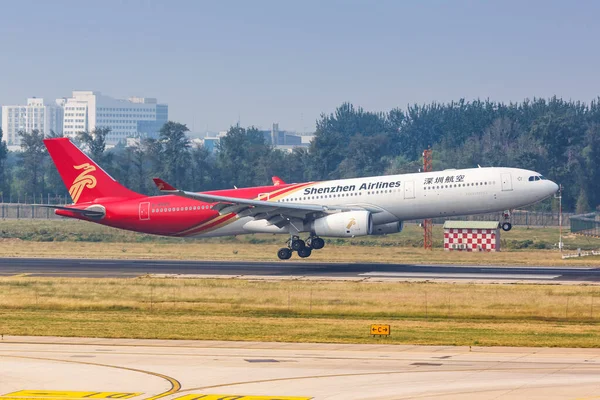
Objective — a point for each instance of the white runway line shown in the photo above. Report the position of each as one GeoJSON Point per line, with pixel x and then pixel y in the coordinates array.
{"type": "Point", "coordinates": [436, 275]}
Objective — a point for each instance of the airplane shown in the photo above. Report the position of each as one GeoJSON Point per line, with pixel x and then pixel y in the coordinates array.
{"type": "Point", "coordinates": [336, 208]}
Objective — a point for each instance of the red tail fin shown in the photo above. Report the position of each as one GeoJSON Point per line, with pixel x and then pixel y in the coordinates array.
{"type": "Point", "coordinates": [84, 179]}
{"type": "Point", "coordinates": [277, 181]}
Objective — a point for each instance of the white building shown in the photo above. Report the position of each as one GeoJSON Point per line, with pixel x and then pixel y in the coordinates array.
{"type": "Point", "coordinates": [37, 114]}
{"type": "Point", "coordinates": [88, 110]}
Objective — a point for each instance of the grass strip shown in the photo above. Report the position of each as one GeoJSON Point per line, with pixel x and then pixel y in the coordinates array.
{"type": "Point", "coordinates": [335, 312]}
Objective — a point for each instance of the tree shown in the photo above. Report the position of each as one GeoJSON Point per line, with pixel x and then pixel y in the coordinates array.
{"type": "Point", "coordinates": [54, 182]}
{"type": "Point", "coordinates": [239, 157]}
{"type": "Point", "coordinates": [95, 142]}
{"type": "Point", "coordinates": [174, 155]}
{"type": "Point", "coordinates": [3, 178]}
{"type": "Point", "coordinates": [333, 144]}
{"type": "Point", "coordinates": [32, 161]}
{"type": "Point", "coordinates": [583, 206]}
{"type": "Point", "coordinates": [204, 174]}
{"type": "Point", "coordinates": [298, 165]}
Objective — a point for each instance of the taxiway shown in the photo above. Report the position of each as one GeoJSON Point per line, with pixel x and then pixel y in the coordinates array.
{"type": "Point", "coordinates": [46, 368]}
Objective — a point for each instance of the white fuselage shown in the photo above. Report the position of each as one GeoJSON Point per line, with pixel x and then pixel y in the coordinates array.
{"type": "Point", "coordinates": [422, 195]}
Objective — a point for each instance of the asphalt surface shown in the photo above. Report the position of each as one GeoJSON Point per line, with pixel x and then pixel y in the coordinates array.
{"type": "Point", "coordinates": [105, 268]}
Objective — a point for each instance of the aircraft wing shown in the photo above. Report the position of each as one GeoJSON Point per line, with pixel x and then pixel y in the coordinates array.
{"type": "Point", "coordinates": [277, 213]}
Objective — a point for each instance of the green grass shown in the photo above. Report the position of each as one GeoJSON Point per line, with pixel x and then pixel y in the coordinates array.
{"type": "Point", "coordinates": [341, 312]}
{"type": "Point", "coordinates": [78, 231]}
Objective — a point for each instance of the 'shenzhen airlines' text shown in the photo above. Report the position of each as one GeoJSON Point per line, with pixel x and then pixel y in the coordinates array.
{"type": "Point", "coordinates": [351, 188]}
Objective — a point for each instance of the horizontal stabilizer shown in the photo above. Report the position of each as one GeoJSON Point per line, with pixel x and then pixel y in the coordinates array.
{"type": "Point", "coordinates": [95, 213]}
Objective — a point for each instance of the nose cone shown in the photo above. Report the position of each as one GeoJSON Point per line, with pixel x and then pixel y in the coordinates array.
{"type": "Point", "coordinates": [553, 187]}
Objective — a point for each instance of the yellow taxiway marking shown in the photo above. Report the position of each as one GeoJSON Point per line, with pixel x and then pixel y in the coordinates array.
{"type": "Point", "coordinates": [237, 397]}
{"type": "Point", "coordinates": [175, 385]}
{"type": "Point", "coordinates": [32, 398]}
{"type": "Point", "coordinates": [60, 394]}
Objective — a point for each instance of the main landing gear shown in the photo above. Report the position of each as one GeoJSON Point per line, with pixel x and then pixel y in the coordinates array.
{"type": "Point", "coordinates": [303, 248]}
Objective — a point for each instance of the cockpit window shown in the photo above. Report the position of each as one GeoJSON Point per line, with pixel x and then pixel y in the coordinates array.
{"type": "Point", "coordinates": [543, 178]}
{"type": "Point", "coordinates": [531, 178]}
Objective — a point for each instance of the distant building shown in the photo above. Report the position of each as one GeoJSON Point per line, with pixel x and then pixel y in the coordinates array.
{"type": "Point", "coordinates": [278, 137]}
{"type": "Point", "coordinates": [36, 114]}
{"type": "Point", "coordinates": [210, 143]}
{"type": "Point", "coordinates": [136, 116]}
{"type": "Point", "coordinates": [281, 140]}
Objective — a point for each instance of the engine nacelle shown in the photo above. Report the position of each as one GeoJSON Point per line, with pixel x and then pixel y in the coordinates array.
{"type": "Point", "coordinates": [344, 224]}
{"type": "Point", "coordinates": [384, 229]}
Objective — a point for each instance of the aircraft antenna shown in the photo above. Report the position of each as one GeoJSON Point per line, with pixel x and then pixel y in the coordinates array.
{"type": "Point", "coordinates": [427, 223]}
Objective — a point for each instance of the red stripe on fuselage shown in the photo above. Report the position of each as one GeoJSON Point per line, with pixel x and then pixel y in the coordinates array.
{"type": "Point", "coordinates": [167, 214]}
{"type": "Point", "coordinates": [246, 193]}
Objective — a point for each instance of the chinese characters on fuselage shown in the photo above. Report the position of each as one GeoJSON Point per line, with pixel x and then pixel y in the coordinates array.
{"type": "Point", "coordinates": [444, 179]}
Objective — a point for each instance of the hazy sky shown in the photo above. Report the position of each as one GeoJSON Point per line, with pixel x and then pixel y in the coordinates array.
{"type": "Point", "coordinates": [289, 61]}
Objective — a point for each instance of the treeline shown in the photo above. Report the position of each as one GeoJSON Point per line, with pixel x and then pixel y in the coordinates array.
{"type": "Point", "coordinates": [560, 139]}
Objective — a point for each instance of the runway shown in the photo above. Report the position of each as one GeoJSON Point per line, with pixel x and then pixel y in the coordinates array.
{"type": "Point", "coordinates": [107, 268]}
{"type": "Point", "coordinates": [46, 368]}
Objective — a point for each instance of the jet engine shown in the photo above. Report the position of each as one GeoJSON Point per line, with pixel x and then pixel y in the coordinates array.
{"type": "Point", "coordinates": [384, 229]}
{"type": "Point", "coordinates": [344, 224]}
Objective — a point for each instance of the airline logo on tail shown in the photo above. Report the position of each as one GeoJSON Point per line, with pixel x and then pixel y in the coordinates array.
{"type": "Point", "coordinates": [82, 181]}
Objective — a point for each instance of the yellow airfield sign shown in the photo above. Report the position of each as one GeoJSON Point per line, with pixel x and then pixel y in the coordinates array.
{"type": "Point", "coordinates": [381, 330]}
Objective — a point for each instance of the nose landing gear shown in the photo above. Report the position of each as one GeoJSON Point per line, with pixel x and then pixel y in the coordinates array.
{"type": "Point", "coordinates": [303, 248]}
{"type": "Point", "coordinates": [506, 225]}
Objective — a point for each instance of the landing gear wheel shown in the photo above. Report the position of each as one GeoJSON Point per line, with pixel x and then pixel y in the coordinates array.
{"type": "Point", "coordinates": [506, 226]}
{"type": "Point", "coordinates": [297, 244]}
{"type": "Point", "coordinates": [284, 253]}
{"type": "Point", "coordinates": [304, 252]}
{"type": "Point", "coordinates": [317, 243]}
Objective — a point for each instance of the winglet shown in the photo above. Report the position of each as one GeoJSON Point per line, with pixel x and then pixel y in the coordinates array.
{"type": "Point", "coordinates": [163, 186]}
{"type": "Point", "coordinates": [277, 181]}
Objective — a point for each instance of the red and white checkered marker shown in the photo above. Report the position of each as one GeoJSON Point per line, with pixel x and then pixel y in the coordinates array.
{"type": "Point", "coordinates": [471, 239]}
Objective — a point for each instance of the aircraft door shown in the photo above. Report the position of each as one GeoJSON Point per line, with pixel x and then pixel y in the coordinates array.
{"type": "Point", "coordinates": [506, 182]}
{"type": "Point", "coordinates": [409, 190]}
{"type": "Point", "coordinates": [144, 211]}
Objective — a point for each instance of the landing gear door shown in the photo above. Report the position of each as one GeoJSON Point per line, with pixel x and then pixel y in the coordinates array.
{"type": "Point", "coordinates": [506, 182]}
{"type": "Point", "coordinates": [409, 190]}
{"type": "Point", "coordinates": [144, 211]}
